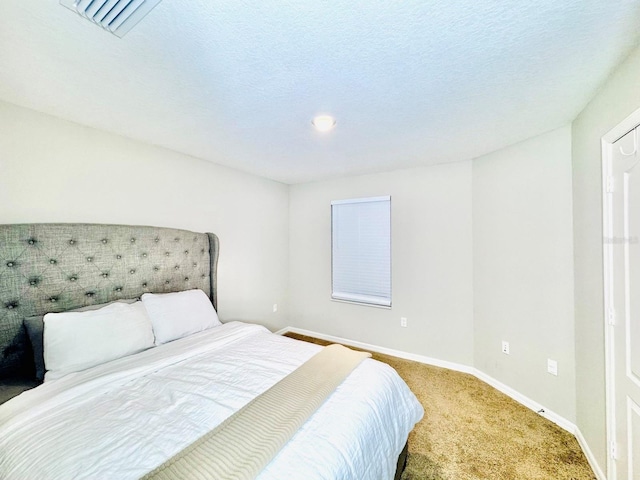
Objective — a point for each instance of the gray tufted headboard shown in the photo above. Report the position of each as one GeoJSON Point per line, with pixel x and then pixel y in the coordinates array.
{"type": "Point", "coordinates": [57, 267]}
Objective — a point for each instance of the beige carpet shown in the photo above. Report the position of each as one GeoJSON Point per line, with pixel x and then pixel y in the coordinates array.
{"type": "Point", "coordinates": [470, 430]}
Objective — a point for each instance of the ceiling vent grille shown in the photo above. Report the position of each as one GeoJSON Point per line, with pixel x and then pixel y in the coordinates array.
{"type": "Point", "coordinates": [115, 16]}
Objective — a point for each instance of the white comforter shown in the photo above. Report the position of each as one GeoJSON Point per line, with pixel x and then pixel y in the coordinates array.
{"type": "Point", "coordinates": [122, 419]}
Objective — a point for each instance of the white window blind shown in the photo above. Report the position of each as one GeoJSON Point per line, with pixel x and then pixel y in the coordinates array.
{"type": "Point", "coordinates": [361, 250]}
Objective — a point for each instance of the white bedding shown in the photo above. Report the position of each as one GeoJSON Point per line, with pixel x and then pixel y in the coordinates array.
{"type": "Point", "coordinates": [122, 419]}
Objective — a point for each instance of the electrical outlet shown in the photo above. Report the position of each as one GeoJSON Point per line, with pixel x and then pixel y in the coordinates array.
{"type": "Point", "coordinates": [275, 307]}
{"type": "Point", "coordinates": [403, 322]}
{"type": "Point", "coordinates": [505, 347]}
{"type": "Point", "coordinates": [552, 367]}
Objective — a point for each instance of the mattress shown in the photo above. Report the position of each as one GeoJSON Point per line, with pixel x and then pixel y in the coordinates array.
{"type": "Point", "coordinates": [124, 418]}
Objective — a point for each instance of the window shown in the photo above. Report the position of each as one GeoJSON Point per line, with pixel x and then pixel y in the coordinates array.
{"type": "Point", "coordinates": [361, 250]}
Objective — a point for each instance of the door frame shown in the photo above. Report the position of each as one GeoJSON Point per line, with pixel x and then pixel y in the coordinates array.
{"type": "Point", "coordinates": [617, 132]}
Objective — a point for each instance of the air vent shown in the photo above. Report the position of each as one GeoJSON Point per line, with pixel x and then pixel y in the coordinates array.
{"type": "Point", "coordinates": [115, 16]}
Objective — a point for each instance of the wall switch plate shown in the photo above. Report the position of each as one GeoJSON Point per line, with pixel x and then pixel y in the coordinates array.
{"type": "Point", "coordinates": [552, 367]}
{"type": "Point", "coordinates": [275, 307]}
{"type": "Point", "coordinates": [403, 321]}
{"type": "Point", "coordinates": [505, 347]}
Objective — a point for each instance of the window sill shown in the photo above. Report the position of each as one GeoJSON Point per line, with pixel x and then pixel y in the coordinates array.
{"type": "Point", "coordinates": [364, 304]}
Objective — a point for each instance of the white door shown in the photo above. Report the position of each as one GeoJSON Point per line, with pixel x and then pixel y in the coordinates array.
{"type": "Point", "coordinates": [622, 253]}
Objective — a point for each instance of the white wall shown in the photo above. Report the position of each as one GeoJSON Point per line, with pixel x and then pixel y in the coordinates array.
{"type": "Point", "coordinates": [431, 262]}
{"type": "Point", "coordinates": [616, 100]}
{"type": "Point", "coordinates": [523, 268]}
{"type": "Point", "coordinates": [56, 171]}
{"type": "Point", "coordinates": [481, 251]}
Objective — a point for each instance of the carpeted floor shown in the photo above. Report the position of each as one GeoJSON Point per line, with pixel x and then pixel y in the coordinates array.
{"type": "Point", "coordinates": [470, 430]}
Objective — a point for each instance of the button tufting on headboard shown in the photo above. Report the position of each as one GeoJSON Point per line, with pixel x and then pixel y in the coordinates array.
{"type": "Point", "coordinates": [72, 265]}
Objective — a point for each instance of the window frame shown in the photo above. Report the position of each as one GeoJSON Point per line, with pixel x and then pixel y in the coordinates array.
{"type": "Point", "coordinates": [353, 299]}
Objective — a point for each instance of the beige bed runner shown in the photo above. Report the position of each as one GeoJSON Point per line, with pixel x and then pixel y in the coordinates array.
{"type": "Point", "coordinates": [241, 446]}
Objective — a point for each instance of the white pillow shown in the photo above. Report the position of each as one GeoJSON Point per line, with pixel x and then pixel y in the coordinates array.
{"type": "Point", "coordinates": [176, 315]}
{"type": "Point", "coordinates": [75, 341]}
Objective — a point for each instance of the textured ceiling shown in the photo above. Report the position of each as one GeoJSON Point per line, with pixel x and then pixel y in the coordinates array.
{"type": "Point", "coordinates": [237, 82]}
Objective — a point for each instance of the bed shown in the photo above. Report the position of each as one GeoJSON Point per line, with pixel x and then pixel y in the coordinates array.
{"type": "Point", "coordinates": [128, 416]}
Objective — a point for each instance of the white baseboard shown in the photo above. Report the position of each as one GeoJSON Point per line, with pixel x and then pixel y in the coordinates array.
{"type": "Point", "coordinates": [510, 392]}
{"type": "Point", "coordinates": [527, 402]}
{"type": "Point", "coordinates": [375, 348]}
{"type": "Point", "coordinates": [590, 456]}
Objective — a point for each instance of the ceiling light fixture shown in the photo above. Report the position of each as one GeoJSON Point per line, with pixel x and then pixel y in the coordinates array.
{"type": "Point", "coordinates": [324, 123]}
